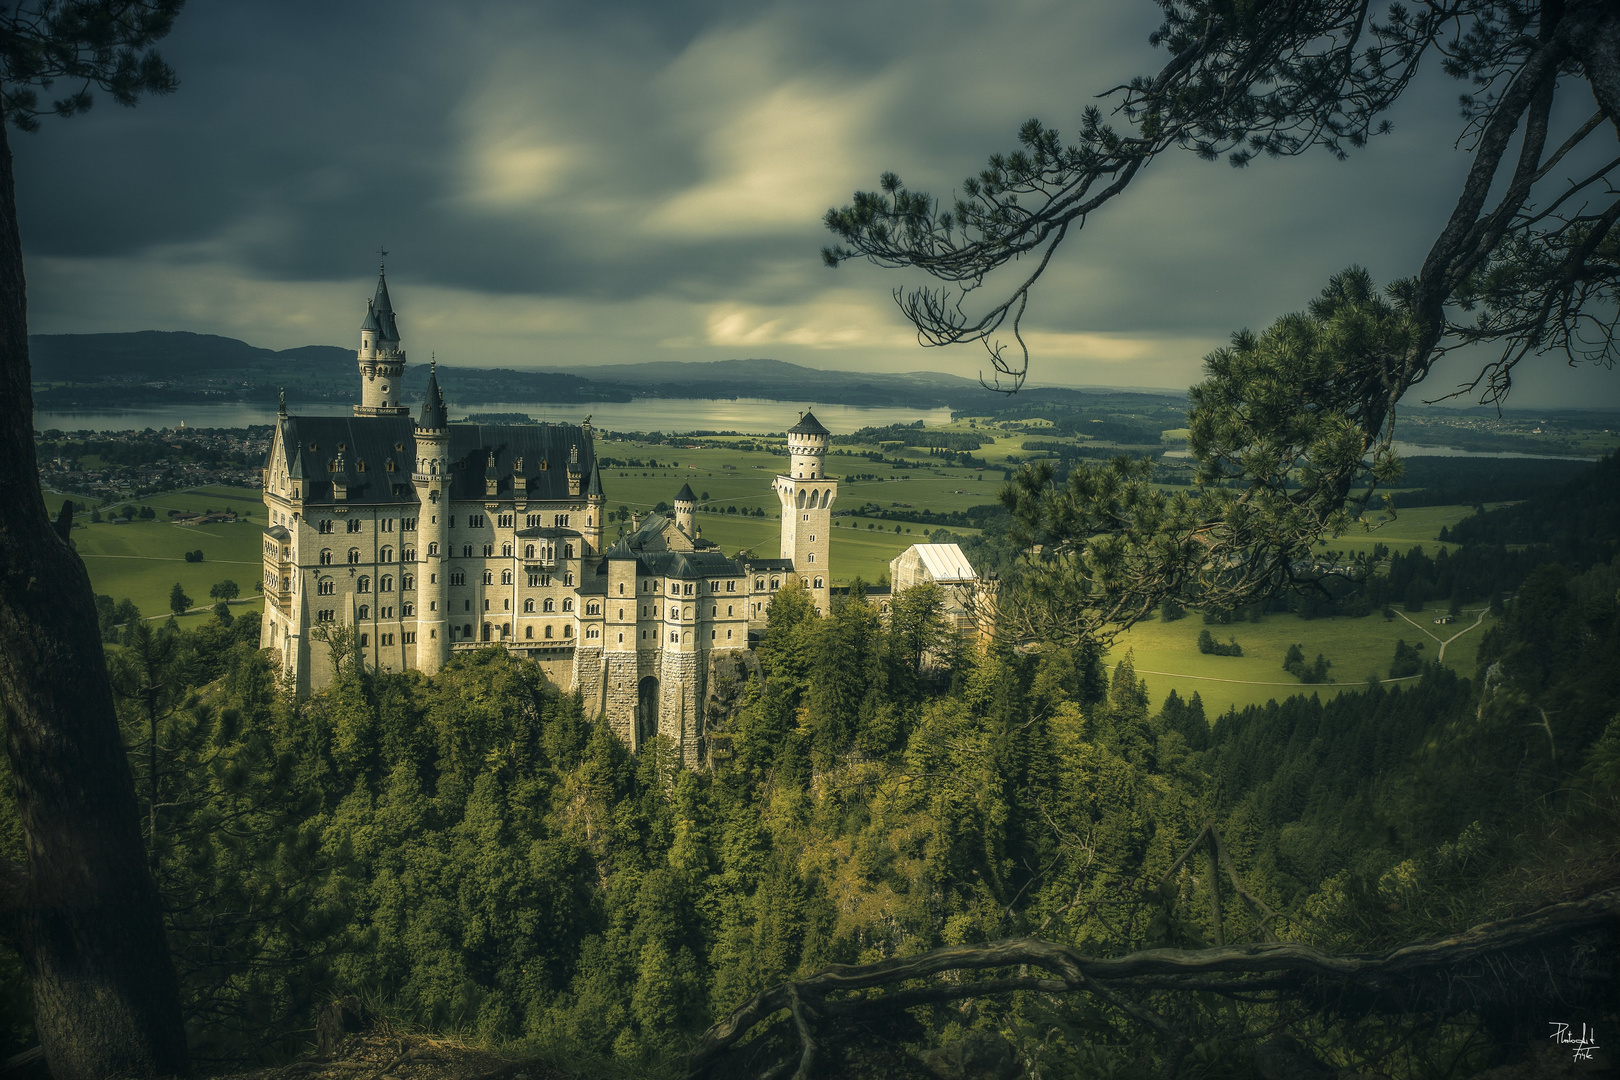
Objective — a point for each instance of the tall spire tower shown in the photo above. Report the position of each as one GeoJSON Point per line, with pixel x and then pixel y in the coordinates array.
{"type": "Point", "coordinates": [382, 361]}
{"type": "Point", "coordinates": [807, 494]}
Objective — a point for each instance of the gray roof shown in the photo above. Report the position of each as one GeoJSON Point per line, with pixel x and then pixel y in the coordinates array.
{"type": "Point", "coordinates": [529, 459]}
{"type": "Point", "coordinates": [595, 485]}
{"type": "Point", "coordinates": [433, 414]}
{"type": "Point", "coordinates": [277, 532]}
{"type": "Point", "coordinates": [768, 564]}
{"type": "Point", "coordinates": [370, 321]}
{"type": "Point", "coordinates": [685, 494]}
{"type": "Point", "coordinates": [689, 564]}
{"type": "Point", "coordinates": [808, 425]}
{"type": "Point", "coordinates": [385, 309]}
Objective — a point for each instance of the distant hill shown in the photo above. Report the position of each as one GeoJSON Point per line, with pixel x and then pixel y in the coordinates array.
{"type": "Point", "coordinates": [1579, 519]}
{"type": "Point", "coordinates": [156, 366]}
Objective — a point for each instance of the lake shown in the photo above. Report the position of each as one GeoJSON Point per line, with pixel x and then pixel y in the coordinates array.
{"type": "Point", "coordinates": [751, 415]}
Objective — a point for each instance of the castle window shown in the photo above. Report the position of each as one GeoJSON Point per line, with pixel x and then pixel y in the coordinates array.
{"type": "Point", "coordinates": [775, 583]}
{"type": "Point", "coordinates": [560, 521]}
{"type": "Point", "coordinates": [325, 525]}
{"type": "Point", "coordinates": [362, 464]}
{"type": "Point", "coordinates": [731, 586]}
{"type": "Point", "coordinates": [593, 608]}
{"type": "Point", "coordinates": [390, 465]}
{"type": "Point", "coordinates": [506, 577]}
{"type": "Point", "coordinates": [365, 639]}
{"type": "Point", "coordinates": [326, 587]}
{"type": "Point", "coordinates": [548, 631]}
{"type": "Point", "coordinates": [506, 604]}
{"type": "Point", "coordinates": [549, 605]}
{"type": "Point", "coordinates": [621, 639]}
{"type": "Point", "coordinates": [528, 631]}
{"type": "Point", "coordinates": [505, 521]}
{"type": "Point", "coordinates": [812, 538]}
{"type": "Point", "coordinates": [687, 590]}
{"type": "Point", "coordinates": [407, 524]}
{"type": "Point", "coordinates": [506, 550]}
{"type": "Point", "coordinates": [568, 578]}
{"type": "Point", "coordinates": [728, 609]}
{"type": "Point", "coordinates": [354, 524]}
{"type": "Point", "coordinates": [759, 583]}
{"type": "Point", "coordinates": [728, 635]}
{"type": "Point", "coordinates": [407, 609]}
{"type": "Point", "coordinates": [528, 605]}
{"type": "Point", "coordinates": [714, 586]}
{"type": "Point", "coordinates": [489, 577]}
{"type": "Point", "coordinates": [621, 588]}
{"type": "Point", "coordinates": [475, 521]}
{"type": "Point", "coordinates": [409, 637]}
{"type": "Point", "coordinates": [568, 603]}
{"type": "Point", "coordinates": [489, 549]}
{"type": "Point", "coordinates": [534, 580]}
{"type": "Point", "coordinates": [568, 551]}
{"type": "Point", "coordinates": [324, 615]}
{"type": "Point", "coordinates": [674, 638]}
{"type": "Point", "coordinates": [466, 629]}
{"type": "Point", "coordinates": [712, 635]}
{"type": "Point", "coordinates": [452, 521]}
{"type": "Point", "coordinates": [364, 612]}
{"type": "Point", "coordinates": [466, 551]}
{"type": "Point", "coordinates": [486, 605]}
{"type": "Point", "coordinates": [354, 556]}
{"type": "Point", "coordinates": [811, 557]}
{"type": "Point", "coordinates": [532, 521]}
{"type": "Point", "coordinates": [674, 612]}
{"type": "Point", "coordinates": [818, 583]}
{"type": "Point", "coordinates": [458, 578]}
{"type": "Point", "coordinates": [387, 555]}
{"type": "Point", "coordinates": [568, 630]}
{"type": "Point", "coordinates": [528, 551]}
{"type": "Point", "coordinates": [407, 582]}
{"type": "Point", "coordinates": [621, 613]}
{"type": "Point", "coordinates": [593, 633]}
{"type": "Point", "coordinates": [385, 583]}
{"type": "Point", "coordinates": [326, 556]}
{"type": "Point", "coordinates": [433, 548]}
{"type": "Point", "coordinates": [407, 554]}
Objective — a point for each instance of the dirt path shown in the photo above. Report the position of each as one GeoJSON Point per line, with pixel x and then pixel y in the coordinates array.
{"type": "Point", "coordinates": [1252, 682]}
{"type": "Point", "coordinates": [1439, 657]}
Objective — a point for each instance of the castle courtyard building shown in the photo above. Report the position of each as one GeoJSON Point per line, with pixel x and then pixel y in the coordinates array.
{"type": "Point", "coordinates": [400, 540]}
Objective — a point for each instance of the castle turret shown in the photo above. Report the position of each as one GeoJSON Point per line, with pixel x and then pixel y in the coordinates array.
{"type": "Point", "coordinates": [382, 361]}
{"type": "Point", "coordinates": [595, 510]}
{"type": "Point", "coordinates": [807, 495]}
{"type": "Point", "coordinates": [686, 511]}
{"type": "Point", "coordinates": [431, 479]}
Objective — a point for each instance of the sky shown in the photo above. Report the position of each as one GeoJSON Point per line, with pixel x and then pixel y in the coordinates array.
{"type": "Point", "coordinates": [566, 184]}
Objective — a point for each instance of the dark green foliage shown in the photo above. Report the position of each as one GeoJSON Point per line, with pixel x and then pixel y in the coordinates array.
{"type": "Point", "coordinates": [194, 556]}
{"type": "Point", "coordinates": [1209, 646]}
{"type": "Point", "coordinates": [224, 590]}
{"type": "Point", "coordinates": [1407, 661]}
{"type": "Point", "coordinates": [179, 602]}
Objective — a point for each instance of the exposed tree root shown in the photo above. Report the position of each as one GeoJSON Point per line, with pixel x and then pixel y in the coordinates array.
{"type": "Point", "coordinates": [1261, 967]}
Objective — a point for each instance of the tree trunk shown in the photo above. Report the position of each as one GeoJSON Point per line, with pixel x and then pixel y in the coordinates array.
{"type": "Point", "coordinates": [87, 920]}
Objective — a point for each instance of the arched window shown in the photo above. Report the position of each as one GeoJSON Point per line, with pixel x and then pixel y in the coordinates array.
{"type": "Point", "coordinates": [354, 556]}
{"type": "Point", "coordinates": [568, 603]}
{"type": "Point", "coordinates": [387, 555]}
{"type": "Point", "coordinates": [326, 556]}
{"type": "Point", "coordinates": [407, 582]}
{"type": "Point", "coordinates": [433, 547]}
{"type": "Point", "coordinates": [550, 605]}
{"type": "Point", "coordinates": [568, 630]}
{"type": "Point", "coordinates": [593, 608]}
{"type": "Point", "coordinates": [528, 631]}
{"type": "Point", "coordinates": [568, 578]}
{"type": "Point", "coordinates": [466, 551]}
{"type": "Point", "coordinates": [528, 551]}
{"type": "Point", "coordinates": [489, 577]}
{"type": "Point", "coordinates": [506, 550]}
{"type": "Point", "coordinates": [568, 551]}
{"type": "Point", "coordinates": [818, 583]}
{"type": "Point", "coordinates": [548, 631]}
{"type": "Point", "coordinates": [506, 577]}
{"type": "Point", "coordinates": [489, 549]}
{"type": "Point", "coordinates": [325, 587]}
{"type": "Point", "coordinates": [363, 585]}
{"type": "Point", "coordinates": [528, 605]}
{"type": "Point", "coordinates": [364, 612]}
{"type": "Point", "coordinates": [759, 583]}
{"type": "Point", "coordinates": [385, 583]}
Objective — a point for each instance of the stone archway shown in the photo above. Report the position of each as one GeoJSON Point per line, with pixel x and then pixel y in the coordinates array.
{"type": "Point", "coordinates": [646, 711]}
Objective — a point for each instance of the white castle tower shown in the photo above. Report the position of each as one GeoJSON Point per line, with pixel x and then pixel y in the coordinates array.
{"type": "Point", "coordinates": [382, 361]}
{"type": "Point", "coordinates": [431, 478]}
{"type": "Point", "coordinates": [807, 495]}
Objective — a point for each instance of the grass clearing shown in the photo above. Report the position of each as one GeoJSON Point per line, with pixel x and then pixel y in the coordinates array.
{"type": "Point", "coordinates": [1357, 647]}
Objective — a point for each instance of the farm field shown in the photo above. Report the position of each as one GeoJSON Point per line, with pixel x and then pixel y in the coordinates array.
{"type": "Point", "coordinates": [143, 559]}
{"type": "Point", "coordinates": [1357, 648]}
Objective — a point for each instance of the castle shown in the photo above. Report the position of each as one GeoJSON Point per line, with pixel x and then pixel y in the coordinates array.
{"type": "Point", "coordinates": [417, 538]}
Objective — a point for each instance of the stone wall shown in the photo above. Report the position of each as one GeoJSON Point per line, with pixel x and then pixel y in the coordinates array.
{"type": "Point", "coordinates": [680, 689]}
{"type": "Point", "coordinates": [623, 674]}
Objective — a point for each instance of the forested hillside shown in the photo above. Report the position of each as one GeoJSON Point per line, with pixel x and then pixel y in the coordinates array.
{"type": "Point", "coordinates": [470, 852]}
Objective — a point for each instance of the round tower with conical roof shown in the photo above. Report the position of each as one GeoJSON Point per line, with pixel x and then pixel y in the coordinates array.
{"type": "Point", "coordinates": [382, 360]}
{"type": "Point", "coordinates": [686, 511]}
{"type": "Point", "coordinates": [431, 479]}
{"type": "Point", "coordinates": [807, 493]}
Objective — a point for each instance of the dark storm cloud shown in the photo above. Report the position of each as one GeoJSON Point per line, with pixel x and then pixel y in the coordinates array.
{"type": "Point", "coordinates": [646, 180]}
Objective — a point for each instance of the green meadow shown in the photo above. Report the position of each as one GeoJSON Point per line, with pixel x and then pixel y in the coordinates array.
{"type": "Point", "coordinates": [142, 560]}
{"type": "Point", "coordinates": [1166, 654]}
